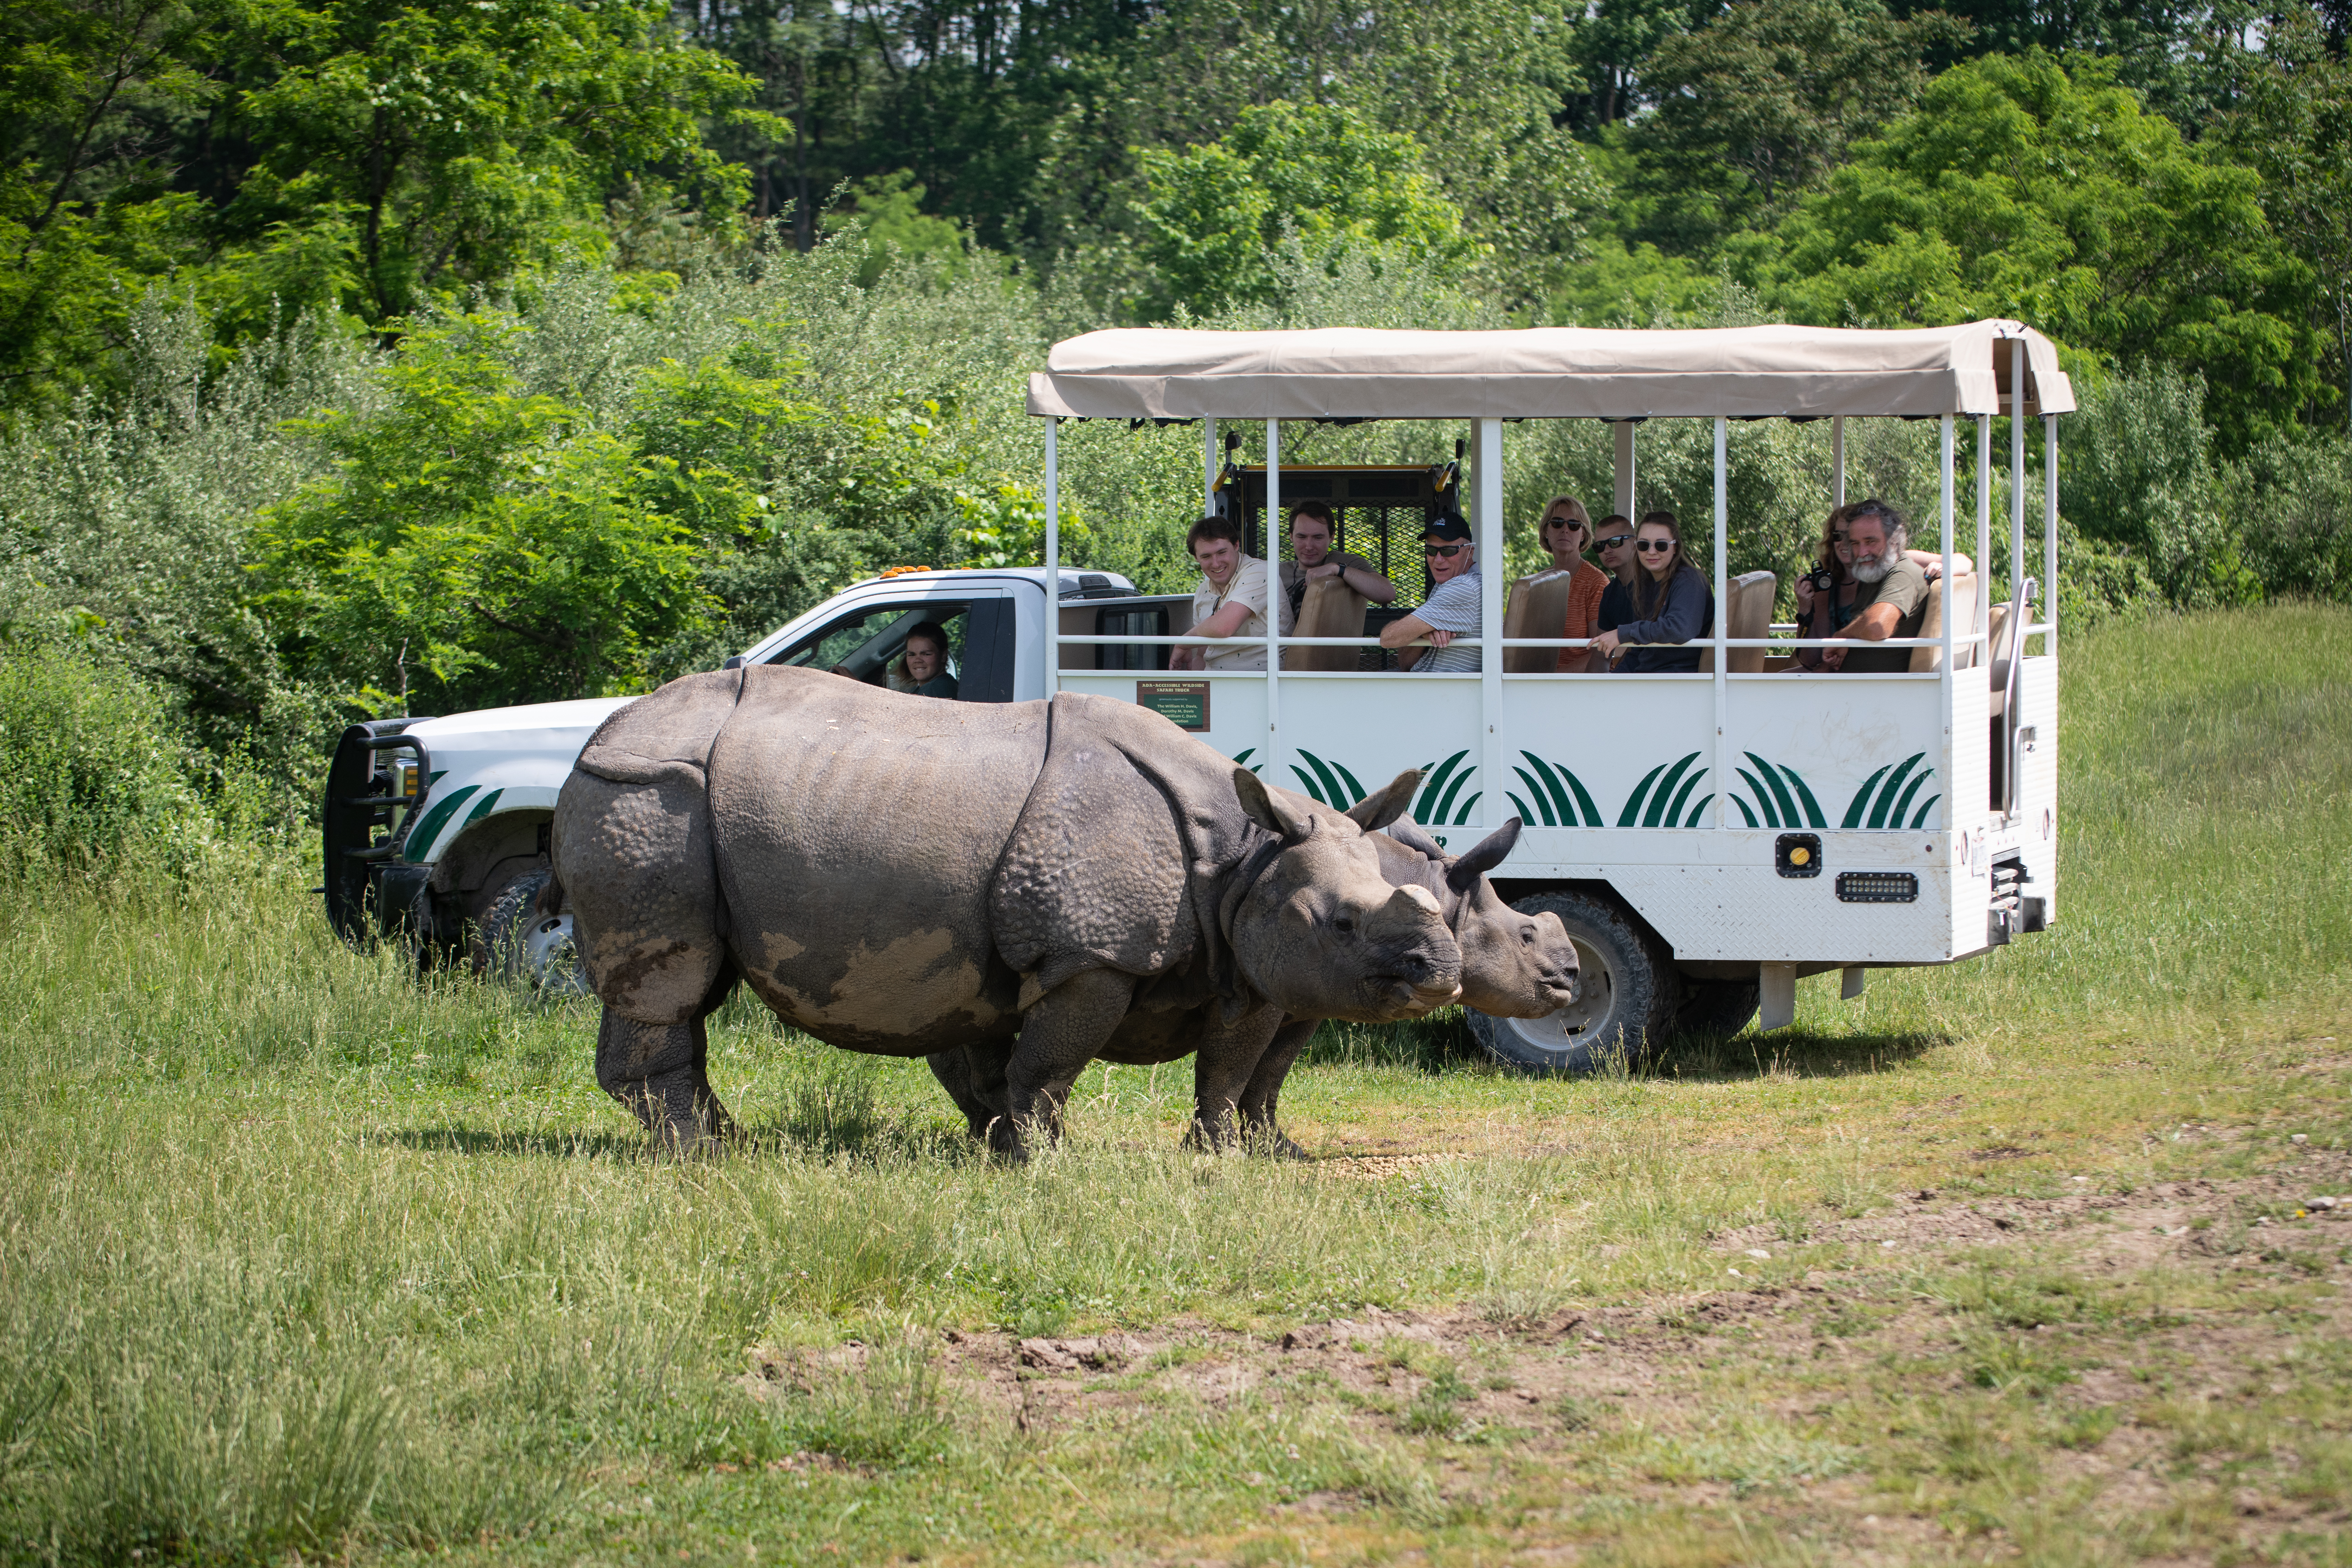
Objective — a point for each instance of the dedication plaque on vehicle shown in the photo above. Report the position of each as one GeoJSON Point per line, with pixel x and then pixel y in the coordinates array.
{"type": "Point", "coordinates": [1184, 703]}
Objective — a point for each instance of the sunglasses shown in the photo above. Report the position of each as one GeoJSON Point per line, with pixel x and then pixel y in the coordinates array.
{"type": "Point", "coordinates": [1448, 550]}
{"type": "Point", "coordinates": [1613, 541]}
{"type": "Point", "coordinates": [1563, 523]}
{"type": "Point", "coordinates": [1654, 546]}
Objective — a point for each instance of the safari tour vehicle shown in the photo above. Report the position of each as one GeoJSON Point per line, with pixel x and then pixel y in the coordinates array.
{"type": "Point", "coordinates": [1708, 839]}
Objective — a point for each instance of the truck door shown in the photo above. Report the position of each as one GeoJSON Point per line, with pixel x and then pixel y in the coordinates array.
{"type": "Point", "coordinates": [864, 641]}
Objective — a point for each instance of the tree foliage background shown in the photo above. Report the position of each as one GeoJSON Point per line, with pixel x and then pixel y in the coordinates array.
{"type": "Point", "coordinates": [359, 356]}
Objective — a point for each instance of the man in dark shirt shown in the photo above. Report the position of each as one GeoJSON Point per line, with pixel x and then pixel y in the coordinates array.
{"type": "Point", "coordinates": [1891, 597]}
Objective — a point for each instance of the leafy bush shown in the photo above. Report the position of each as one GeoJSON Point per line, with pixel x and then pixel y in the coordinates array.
{"type": "Point", "coordinates": [89, 771]}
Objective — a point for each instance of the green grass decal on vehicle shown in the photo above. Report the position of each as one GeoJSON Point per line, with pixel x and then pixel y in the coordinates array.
{"type": "Point", "coordinates": [1667, 799]}
{"type": "Point", "coordinates": [1242, 760]}
{"type": "Point", "coordinates": [1885, 794]}
{"type": "Point", "coordinates": [1773, 786]}
{"type": "Point", "coordinates": [1560, 799]}
{"type": "Point", "coordinates": [421, 838]}
{"type": "Point", "coordinates": [1329, 784]}
{"type": "Point", "coordinates": [1437, 795]}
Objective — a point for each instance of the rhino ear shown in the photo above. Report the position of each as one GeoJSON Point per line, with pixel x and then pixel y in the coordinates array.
{"type": "Point", "coordinates": [1482, 857]}
{"type": "Point", "coordinates": [1384, 806]}
{"type": "Point", "coordinates": [1407, 832]}
{"type": "Point", "coordinates": [1269, 810]}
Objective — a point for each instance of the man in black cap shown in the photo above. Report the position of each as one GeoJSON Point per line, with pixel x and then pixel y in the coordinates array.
{"type": "Point", "coordinates": [1452, 609]}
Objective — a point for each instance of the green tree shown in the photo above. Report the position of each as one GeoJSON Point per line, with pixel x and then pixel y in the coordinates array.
{"type": "Point", "coordinates": [89, 89]}
{"type": "Point", "coordinates": [1217, 212]}
{"type": "Point", "coordinates": [456, 143]}
{"type": "Point", "coordinates": [2042, 191]}
{"type": "Point", "coordinates": [2293, 126]}
{"type": "Point", "coordinates": [1762, 103]}
{"type": "Point", "coordinates": [481, 546]}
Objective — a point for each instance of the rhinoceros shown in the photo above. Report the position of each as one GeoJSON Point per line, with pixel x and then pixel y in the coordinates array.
{"type": "Point", "coordinates": [1514, 965]}
{"type": "Point", "coordinates": [899, 875]}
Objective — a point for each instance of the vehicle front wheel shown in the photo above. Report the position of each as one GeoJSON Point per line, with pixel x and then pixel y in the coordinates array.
{"type": "Point", "coordinates": [1626, 995]}
{"type": "Point", "coordinates": [517, 942]}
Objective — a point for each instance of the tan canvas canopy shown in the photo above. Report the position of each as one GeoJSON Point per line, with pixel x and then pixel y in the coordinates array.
{"type": "Point", "coordinates": [1546, 372]}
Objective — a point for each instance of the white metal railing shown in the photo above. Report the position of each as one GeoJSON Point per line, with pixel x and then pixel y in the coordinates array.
{"type": "Point", "coordinates": [1486, 523]}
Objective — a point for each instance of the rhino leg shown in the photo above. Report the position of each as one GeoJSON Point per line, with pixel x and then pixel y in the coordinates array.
{"type": "Point", "coordinates": [1060, 1034]}
{"type": "Point", "coordinates": [974, 1078]}
{"type": "Point", "coordinates": [661, 1072]}
{"type": "Point", "coordinates": [1260, 1131]}
{"type": "Point", "coordinates": [1222, 1072]}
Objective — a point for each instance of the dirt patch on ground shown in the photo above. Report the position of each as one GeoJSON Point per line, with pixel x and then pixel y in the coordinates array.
{"type": "Point", "coordinates": [1542, 1393]}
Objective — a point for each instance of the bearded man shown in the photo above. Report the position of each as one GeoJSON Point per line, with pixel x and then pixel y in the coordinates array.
{"type": "Point", "coordinates": [1891, 600]}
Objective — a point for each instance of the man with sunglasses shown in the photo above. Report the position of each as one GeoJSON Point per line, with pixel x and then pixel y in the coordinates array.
{"type": "Point", "coordinates": [1452, 609]}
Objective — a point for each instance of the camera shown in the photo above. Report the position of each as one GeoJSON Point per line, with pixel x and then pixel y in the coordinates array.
{"type": "Point", "coordinates": [1822, 582]}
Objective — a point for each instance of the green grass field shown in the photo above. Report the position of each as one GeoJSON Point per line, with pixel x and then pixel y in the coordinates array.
{"type": "Point", "coordinates": [2018, 1261]}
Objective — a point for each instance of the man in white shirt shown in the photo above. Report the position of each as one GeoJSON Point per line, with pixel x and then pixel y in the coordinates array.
{"type": "Point", "coordinates": [1230, 602]}
{"type": "Point", "coordinates": [1452, 609]}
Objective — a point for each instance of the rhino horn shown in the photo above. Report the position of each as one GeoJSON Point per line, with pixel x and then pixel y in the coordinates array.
{"type": "Point", "coordinates": [1384, 806]}
{"type": "Point", "coordinates": [1269, 810]}
{"type": "Point", "coordinates": [1482, 857]}
{"type": "Point", "coordinates": [1408, 833]}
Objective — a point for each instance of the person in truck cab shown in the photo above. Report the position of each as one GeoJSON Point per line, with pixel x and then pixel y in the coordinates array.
{"type": "Point", "coordinates": [1230, 602]}
{"type": "Point", "coordinates": [922, 668]}
{"type": "Point", "coordinates": [1314, 560]}
{"type": "Point", "coordinates": [1451, 608]}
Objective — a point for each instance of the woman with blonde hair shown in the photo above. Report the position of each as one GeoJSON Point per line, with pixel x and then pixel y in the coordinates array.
{"type": "Point", "coordinates": [1566, 533]}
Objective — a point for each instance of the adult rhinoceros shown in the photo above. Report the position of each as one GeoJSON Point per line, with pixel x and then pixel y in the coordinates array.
{"type": "Point", "coordinates": [899, 875]}
{"type": "Point", "coordinates": [1514, 965]}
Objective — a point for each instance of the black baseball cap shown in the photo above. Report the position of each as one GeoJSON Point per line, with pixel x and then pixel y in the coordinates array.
{"type": "Point", "coordinates": [1447, 526]}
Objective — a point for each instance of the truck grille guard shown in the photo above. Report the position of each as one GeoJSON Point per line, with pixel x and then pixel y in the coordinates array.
{"type": "Point", "coordinates": [359, 801]}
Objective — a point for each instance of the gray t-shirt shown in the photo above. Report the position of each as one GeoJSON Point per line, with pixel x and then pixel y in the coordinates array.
{"type": "Point", "coordinates": [1453, 607]}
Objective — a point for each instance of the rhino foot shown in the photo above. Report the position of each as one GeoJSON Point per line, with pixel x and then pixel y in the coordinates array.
{"type": "Point", "coordinates": [657, 1071]}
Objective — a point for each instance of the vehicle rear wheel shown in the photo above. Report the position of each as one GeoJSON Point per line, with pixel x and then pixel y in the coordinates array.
{"type": "Point", "coordinates": [1626, 992]}
{"type": "Point", "coordinates": [516, 943]}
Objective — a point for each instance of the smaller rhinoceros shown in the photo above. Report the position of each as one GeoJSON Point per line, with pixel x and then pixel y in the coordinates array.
{"type": "Point", "coordinates": [1514, 965]}
{"type": "Point", "coordinates": [900, 876]}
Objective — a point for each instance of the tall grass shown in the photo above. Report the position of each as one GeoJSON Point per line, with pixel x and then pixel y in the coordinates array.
{"type": "Point", "coordinates": [305, 1251]}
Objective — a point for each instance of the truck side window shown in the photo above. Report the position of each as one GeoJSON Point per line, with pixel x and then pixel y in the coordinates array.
{"type": "Point", "coordinates": [862, 643]}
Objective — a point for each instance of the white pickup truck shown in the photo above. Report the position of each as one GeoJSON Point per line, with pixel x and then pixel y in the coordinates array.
{"type": "Point", "coordinates": [1708, 834]}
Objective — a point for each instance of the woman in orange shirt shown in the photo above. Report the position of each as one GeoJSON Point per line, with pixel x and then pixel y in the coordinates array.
{"type": "Point", "coordinates": [1567, 532]}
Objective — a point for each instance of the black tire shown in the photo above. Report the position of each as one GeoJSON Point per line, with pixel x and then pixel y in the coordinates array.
{"type": "Point", "coordinates": [1626, 995]}
{"type": "Point", "coordinates": [1720, 1008]}
{"type": "Point", "coordinates": [516, 943]}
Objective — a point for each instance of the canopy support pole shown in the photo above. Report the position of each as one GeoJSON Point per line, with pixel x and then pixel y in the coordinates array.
{"type": "Point", "coordinates": [2017, 488]}
{"type": "Point", "coordinates": [1209, 466]}
{"type": "Point", "coordinates": [1722, 608]}
{"type": "Point", "coordinates": [1493, 561]}
{"type": "Point", "coordinates": [1946, 510]}
{"type": "Point", "coordinates": [1274, 600]}
{"type": "Point", "coordinates": [1837, 462]}
{"type": "Point", "coordinates": [2050, 531]}
{"type": "Point", "coordinates": [1984, 534]}
{"type": "Point", "coordinates": [1622, 430]}
{"type": "Point", "coordinates": [1052, 616]}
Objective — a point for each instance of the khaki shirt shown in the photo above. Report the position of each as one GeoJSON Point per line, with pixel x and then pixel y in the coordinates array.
{"type": "Point", "coordinates": [1246, 586]}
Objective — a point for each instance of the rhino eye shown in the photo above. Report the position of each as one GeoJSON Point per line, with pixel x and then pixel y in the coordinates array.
{"type": "Point", "coordinates": [1345, 923]}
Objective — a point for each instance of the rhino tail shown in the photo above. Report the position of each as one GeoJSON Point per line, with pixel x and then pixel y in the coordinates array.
{"type": "Point", "coordinates": [551, 897]}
